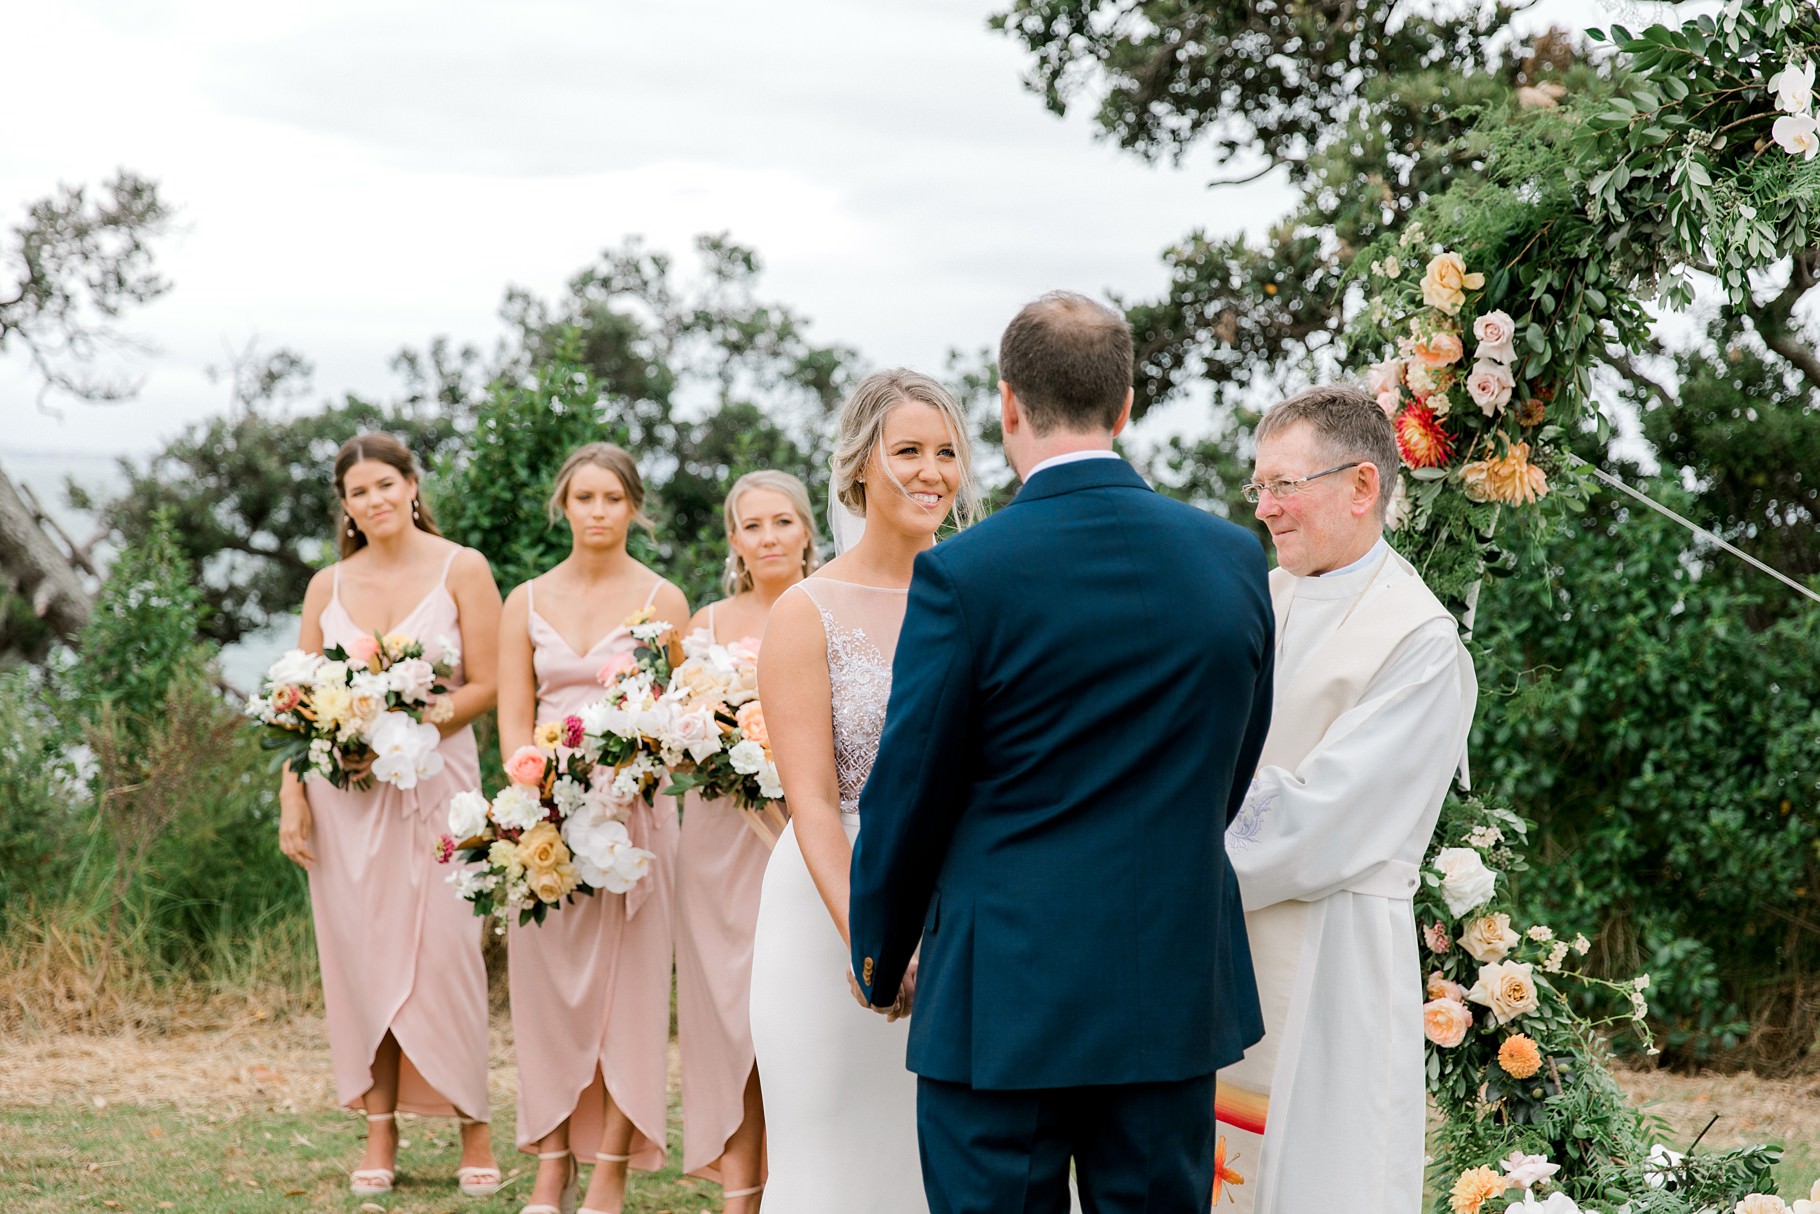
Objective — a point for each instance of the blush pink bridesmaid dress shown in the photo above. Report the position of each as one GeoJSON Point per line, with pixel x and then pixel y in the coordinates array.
{"type": "Point", "coordinates": [399, 951]}
{"type": "Point", "coordinates": [720, 872]}
{"type": "Point", "coordinates": [591, 984]}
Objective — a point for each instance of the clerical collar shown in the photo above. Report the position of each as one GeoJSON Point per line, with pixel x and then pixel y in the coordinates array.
{"type": "Point", "coordinates": [1372, 555]}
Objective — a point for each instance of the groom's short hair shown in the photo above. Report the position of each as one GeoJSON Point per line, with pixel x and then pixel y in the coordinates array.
{"type": "Point", "coordinates": [1068, 360]}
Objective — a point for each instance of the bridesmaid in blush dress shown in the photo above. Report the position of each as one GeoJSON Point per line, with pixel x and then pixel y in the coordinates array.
{"type": "Point", "coordinates": [404, 988]}
{"type": "Point", "coordinates": [591, 984]}
{"type": "Point", "coordinates": [721, 867]}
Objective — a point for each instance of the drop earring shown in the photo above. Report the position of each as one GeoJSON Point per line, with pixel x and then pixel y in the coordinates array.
{"type": "Point", "coordinates": [416, 515]}
{"type": "Point", "coordinates": [352, 529]}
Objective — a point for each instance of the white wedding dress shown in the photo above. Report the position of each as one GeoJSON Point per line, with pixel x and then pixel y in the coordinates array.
{"type": "Point", "coordinates": [840, 1107]}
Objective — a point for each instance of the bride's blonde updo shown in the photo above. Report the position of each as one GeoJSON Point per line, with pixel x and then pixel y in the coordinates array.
{"type": "Point", "coordinates": [861, 431]}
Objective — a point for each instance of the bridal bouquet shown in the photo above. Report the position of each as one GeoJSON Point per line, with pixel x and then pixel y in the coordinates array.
{"type": "Point", "coordinates": [713, 738]}
{"type": "Point", "coordinates": [378, 701]}
{"type": "Point", "coordinates": [557, 830]}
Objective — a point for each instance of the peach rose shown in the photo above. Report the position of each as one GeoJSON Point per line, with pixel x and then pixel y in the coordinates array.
{"type": "Point", "coordinates": [1489, 937]}
{"type": "Point", "coordinates": [1445, 283]}
{"type": "Point", "coordinates": [1445, 1021]}
{"type": "Point", "coordinates": [1440, 988]}
{"type": "Point", "coordinates": [397, 642]}
{"type": "Point", "coordinates": [553, 885]}
{"type": "Point", "coordinates": [700, 681]}
{"type": "Point", "coordinates": [525, 767]}
{"type": "Point", "coordinates": [1438, 349]}
{"type": "Point", "coordinates": [751, 719]}
{"type": "Point", "coordinates": [1508, 988]}
{"type": "Point", "coordinates": [616, 668]}
{"type": "Point", "coordinates": [541, 849]}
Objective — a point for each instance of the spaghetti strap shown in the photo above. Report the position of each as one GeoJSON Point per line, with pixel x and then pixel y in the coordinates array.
{"type": "Point", "coordinates": [713, 634]}
{"type": "Point", "coordinates": [531, 594]}
{"type": "Point", "coordinates": [449, 564]}
{"type": "Point", "coordinates": [335, 582]}
{"type": "Point", "coordinates": [655, 587]}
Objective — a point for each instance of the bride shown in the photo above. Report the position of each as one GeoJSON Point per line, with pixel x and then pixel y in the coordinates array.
{"type": "Point", "coordinates": [840, 1107]}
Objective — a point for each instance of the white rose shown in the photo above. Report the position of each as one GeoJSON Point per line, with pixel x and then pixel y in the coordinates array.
{"type": "Point", "coordinates": [1495, 333]}
{"type": "Point", "coordinates": [295, 668]}
{"type": "Point", "coordinates": [518, 808]}
{"type": "Point", "coordinates": [1794, 87]}
{"type": "Point", "coordinates": [1760, 1203]}
{"type": "Point", "coordinates": [748, 758]}
{"type": "Point", "coordinates": [1809, 1204]}
{"type": "Point", "coordinates": [1490, 386]}
{"type": "Point", "coordinates": [1528, 1170]}
{"type": "Point", "coordinates": [467, 814]}
{"type": "Point", "coordinates": [411, 678]}
{"type": "Point", "coordinates": [769, 786]}
{"type": "Point", "coordinates": [1797, 134]}
{"type": "Point", "coordinates": [1465, 881]}
{"type": "Point", "coordinates": [1489, 938]}
{"type": "Point", "coordinates": [330, 674]}
{"type": "Point", "coordinates": [1508, 988]}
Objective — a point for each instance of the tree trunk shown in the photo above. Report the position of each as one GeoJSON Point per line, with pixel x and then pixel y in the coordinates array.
{"type": "Point", "coordinates": [37, 570]}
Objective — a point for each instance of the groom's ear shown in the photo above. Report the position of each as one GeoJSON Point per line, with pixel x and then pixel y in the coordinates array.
{"type": "Point", "coordinates": [1007, 411]}
{"type": "Point", "coordinates": [1125, 413]}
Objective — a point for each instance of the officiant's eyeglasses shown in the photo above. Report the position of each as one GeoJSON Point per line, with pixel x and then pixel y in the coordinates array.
{"type": "Point", "coordinates": [1254, 491]}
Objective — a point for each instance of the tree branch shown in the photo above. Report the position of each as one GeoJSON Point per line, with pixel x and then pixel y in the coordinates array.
{"type": "Point", "coordinates": [1774, 319]}
{"type": "Point", "coordinates": [1621, 362]}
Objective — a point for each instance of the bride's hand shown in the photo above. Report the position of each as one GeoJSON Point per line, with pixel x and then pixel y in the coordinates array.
{"type": "Point", "coordinates": [906, 994]}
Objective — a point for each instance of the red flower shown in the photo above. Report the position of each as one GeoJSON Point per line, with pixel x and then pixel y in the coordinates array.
{"type": "Point", "coordinates": [571, 731]}
{"type": "Point", "coordinates": [1421, 439]}
{"type": "Point", "coordinates": [445, 849]}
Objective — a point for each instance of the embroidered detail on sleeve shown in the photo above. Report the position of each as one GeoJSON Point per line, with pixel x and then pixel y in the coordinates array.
{"type": "Point", "coordinates": [1243, 833]}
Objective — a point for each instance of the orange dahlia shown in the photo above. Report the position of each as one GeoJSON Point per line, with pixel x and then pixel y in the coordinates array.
{"type": "Point", "coordinates": [1475, 1187]}
{"type": "Point", "coordinates": [1421, 439]}
{"type": "Point", "coordinates": [1519, 1056]}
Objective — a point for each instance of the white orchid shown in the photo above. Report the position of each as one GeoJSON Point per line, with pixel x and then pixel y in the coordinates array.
{"type": "Point", "coordinates": [1797, 134]}
{"type": "Point", "coordinates": [1794, 87]}
{"type": "Point", "coordinates": [404, 751]}
{"type": "Point", "coordinates": [1528, 1170]}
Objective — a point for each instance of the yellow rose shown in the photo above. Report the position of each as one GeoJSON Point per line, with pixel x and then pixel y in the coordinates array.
{"type": "Point", "coordinates": [699, 680]}
{"type": "Point", "coordinates": [552, 885]}
{"type": "Point", "coordinates": [397, 642]}
{"type": "Point", "coordinates": [1488, 938]}
{"type": "Point", "coordinates": [1446, 282]}
{"type": "Point", "coordinates": [541, 849]}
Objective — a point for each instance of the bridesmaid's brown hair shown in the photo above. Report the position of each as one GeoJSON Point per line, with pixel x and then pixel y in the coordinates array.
{"type": "Point", "coordinates": [616, 460]}
{"type": "Point", "coordinates": [383, 449]}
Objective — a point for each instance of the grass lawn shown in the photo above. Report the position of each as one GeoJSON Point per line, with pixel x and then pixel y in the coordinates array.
{"type": "Point", "coordinates": [241, 1120]}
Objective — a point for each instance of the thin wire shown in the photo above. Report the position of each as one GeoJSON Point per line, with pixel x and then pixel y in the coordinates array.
{"type": "Point", "coordinates": [1694, 527]}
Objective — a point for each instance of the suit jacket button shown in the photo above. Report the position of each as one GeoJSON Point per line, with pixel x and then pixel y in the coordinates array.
{"type": "Point", "coordinates": [866, 972]}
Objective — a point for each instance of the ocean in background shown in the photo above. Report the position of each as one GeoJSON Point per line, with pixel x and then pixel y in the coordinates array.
{"type": "Point", "coordinates": [46, 474]}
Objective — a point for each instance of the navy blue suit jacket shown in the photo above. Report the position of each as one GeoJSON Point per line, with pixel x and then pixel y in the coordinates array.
{"type": "Point", "coordinates": [1079, 696]}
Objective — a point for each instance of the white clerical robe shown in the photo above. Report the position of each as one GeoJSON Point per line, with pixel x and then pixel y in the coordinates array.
{"type": "Point", "coordinates": [1374, 696]}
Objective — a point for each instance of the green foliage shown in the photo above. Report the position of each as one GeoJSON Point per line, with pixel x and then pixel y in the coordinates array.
{"type": "Point", "coordinates": [42, 802]}
{"type": "Point", "coordinates": [1665, 747]}
{"type": "Point", "coordinates": [141, 638]}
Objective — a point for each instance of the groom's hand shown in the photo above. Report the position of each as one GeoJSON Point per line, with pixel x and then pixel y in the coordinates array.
{"type": "Point", "coordinates": [906, 995]}
{"type": "Point", "coordinates": [859, 995]}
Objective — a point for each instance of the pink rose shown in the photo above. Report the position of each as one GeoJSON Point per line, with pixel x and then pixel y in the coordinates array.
{"type": "Point", "coordinates": [363, 650]}
{"type": "Point", "coordinates": [525, 767]}
{"type": "Point", "coordinates": [618, 666]}
{"type": "Point", "coordinates": [1495, 333]}
{"type": "Point", "coordinates": [1438, 349]}
{"type": "Point", "coordinates": [1490, 386]}
{"type": "Point", "coordinates": [1445, 1021]}
{"type": "Point", "coordinates": [1390, 401]}
{"type": "Point", "coordinates": [1384, 376]}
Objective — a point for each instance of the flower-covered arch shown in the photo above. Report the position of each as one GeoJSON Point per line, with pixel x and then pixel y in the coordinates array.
{"type": "Point", "coordinates": [1481, 322]}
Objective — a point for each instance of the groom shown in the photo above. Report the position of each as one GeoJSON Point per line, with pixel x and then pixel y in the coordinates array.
{"type": "Point", "coordinates": [1080, 694]}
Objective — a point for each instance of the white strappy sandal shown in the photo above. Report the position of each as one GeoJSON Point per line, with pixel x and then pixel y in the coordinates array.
{"type": "Point", "coordinates": [483, 1181]}
{"type": "Point", "coordinates": [603, 1157]}
{"type": "Point", "coordinates": [371, 1182]}
{"type": "Point", "coordinates": [729, 1194]}
{"type": "Point", "coordinates": [571, 1189]}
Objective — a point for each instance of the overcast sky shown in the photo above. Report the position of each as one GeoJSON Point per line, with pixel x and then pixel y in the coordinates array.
{"type": "Point", "coordinates": [353, 177]}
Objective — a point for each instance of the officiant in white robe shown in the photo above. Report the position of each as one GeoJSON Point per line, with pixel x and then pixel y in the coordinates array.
{"type": "Point", "coordinates": [1374, 699]}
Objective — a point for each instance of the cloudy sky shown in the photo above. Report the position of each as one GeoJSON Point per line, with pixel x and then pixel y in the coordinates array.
{"type": "Point", "coordinates": [353, 177]}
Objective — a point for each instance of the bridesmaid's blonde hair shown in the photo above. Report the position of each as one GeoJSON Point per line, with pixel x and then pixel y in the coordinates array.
{"type": "Point", "coordinates": [736, 578]}
{"type": "Point", "coordinates": [861, 431]}
{"type": "Point", "coordinates": [615, 460]}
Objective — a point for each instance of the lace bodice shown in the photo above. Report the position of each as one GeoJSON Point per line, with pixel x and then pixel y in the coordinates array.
{"type": "Point", "coordinates": [861, 623]}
